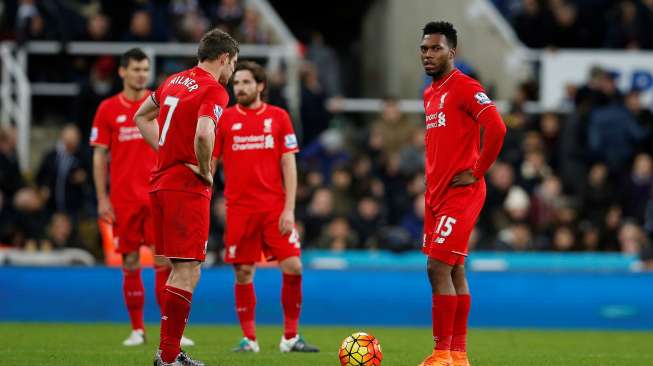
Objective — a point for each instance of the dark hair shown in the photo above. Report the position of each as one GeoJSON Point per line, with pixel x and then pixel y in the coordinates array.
{"type": "Point", "coordinates": [135, 54]}
{"type": "Point", "coordinates": [215, 43]}
{"type": "Point", "coordinates": [257, 70]}
{"type": "Point", "coordinates": [444, 28]}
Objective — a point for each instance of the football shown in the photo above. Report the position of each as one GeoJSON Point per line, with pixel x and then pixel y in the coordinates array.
{"type": "Point", "coordinates": [360, 349]}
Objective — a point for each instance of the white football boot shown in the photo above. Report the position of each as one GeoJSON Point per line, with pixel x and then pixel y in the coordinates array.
{"type": "Point", "coordinates": [296, 344]}
{"type": "Point", "coordinates": [136, 338]}
{"type": "Point", "coordinates": [186, 342]}
{"type": "Point", "coordinates": [247, 345]}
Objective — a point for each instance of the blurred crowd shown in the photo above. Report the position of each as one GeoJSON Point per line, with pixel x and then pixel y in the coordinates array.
{"type": "Point", "coordinates": [45, 215]}
{"type": "Point", "coordinates": [133, 21]}
{"type": "Point", "coordinates": [615, 24]}
{"type": "Point", "coordinates": [579, 181]}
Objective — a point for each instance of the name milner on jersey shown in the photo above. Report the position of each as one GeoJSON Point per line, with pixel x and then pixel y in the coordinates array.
{"type": "Point", "coordinates": [189, 83]}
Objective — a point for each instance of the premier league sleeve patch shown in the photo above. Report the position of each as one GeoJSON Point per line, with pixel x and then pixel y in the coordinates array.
{"type": "Point", "coordinates": [482, 98]}
{"type": "Point", "coordinates": [217, 110]}
{"type": "Point", "coordinates": [290, 141]}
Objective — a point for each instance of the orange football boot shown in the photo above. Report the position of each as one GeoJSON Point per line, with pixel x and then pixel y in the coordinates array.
{"type": "Point", "coordinates": [439, 357]}
{"type": "Point", "coordinates": [459, 358]}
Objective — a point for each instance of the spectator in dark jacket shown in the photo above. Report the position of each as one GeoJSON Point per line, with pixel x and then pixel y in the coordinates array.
{"type": "Point", "coordinates": [612, 136]}
{"type": "Point", "coordinates": [64, 174]}
{"type": "Point", "coordinates": [636, 188]}
{"type": "Point", "coordinates": [367, 220]}
{"type": "Point", "coordinates": [534, 25]}
{"type": "Point", "coordinates": [413, 221]}
{"type": "Point", "coordinates": [598, 194]}
{"type": "Point", "coordinates": [30, 220]}
{"type": "Point", "coordinates": [315, 117]}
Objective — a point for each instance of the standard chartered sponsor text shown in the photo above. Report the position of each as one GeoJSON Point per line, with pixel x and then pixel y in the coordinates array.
{"type": "Point", "coordinates": [252, 142]}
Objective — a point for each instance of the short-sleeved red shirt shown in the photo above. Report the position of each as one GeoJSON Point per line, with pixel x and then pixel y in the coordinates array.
{"type": "Point", "coordinates": [184, 98]}
{"type": "Point", "coordinates": [132, 159]}
{"type": "Point", "coordinates": [251, 143]}
{"type": "Point", "coordinates": [453, 106]}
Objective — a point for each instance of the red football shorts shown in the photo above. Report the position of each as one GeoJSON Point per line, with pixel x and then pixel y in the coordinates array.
{"type": "Point", "coordinates": [449, 225]}
{"type": "Point", "coordinates": [181, 224]}
{"type": "Point", "coordinates": [250, 236]}
{"type": "Point", "coordinates": [133, 227]}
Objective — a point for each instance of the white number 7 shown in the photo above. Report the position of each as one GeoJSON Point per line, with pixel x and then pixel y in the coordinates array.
{"type": "Point", "coordinates": [172, 103]}
{"type": "Point", "coordinates": [448, 221]}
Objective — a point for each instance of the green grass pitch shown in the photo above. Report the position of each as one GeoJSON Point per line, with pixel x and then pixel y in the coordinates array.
{"type": "Point", "coordinates": [100, 345]}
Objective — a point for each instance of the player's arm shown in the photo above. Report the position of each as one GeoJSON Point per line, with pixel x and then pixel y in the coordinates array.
{"type": "Point", "coordinates": [494, 131]}
{"type": "Point", "coordinates": [105, 209]}
{"type": "Point", "coordinates": [217, 148]}
{"type": "Point", "coordinates": [145, 119]}
{"type": "Point", "coordinates": [289, 171]}
{"type": "Point", "coordinates": [204, 141]}
{"type": "Point", "coordinates": [476, 103]}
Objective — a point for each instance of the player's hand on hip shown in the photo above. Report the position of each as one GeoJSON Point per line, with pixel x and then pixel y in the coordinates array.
{"type": "Point", "coordinates": [286, 222]}
{"type": "Point", "coordinates": [105, 210]}
{"type": "Point", "coordinates": [463, 179]}
{"type": "Point", "coordinates": [207, 176]}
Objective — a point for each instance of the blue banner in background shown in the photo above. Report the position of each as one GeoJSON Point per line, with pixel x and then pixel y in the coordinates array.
{"type": "Point", "coordinates": [618, 300]}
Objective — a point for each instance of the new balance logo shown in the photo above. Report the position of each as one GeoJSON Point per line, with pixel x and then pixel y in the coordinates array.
{"type": "Point", "coordinates": [236, 126]}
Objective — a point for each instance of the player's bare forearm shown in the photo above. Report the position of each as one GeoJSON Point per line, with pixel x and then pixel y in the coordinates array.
{"type": "Point", "coordinates": [150, 133]}
{"type": "Point", "coordinates": [204, 141]}
{"type": "Point", "coordinates": [100, 171]}
{"type": "Point", "coordinates": [147, 124]}
{"type": "Point", "coordinates": [289, 170]}
{"type": "Point", "coordinates": [105, 210]}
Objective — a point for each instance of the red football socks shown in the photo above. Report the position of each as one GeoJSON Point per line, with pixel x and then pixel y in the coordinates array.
{"type": "Point", "coordinates": [246, 309]}
{"type": "Point", "coordinates": [176, 307]}
{"type": "Point", "coordinates": [161, 274]}
{"type": "Point", "coordinates": [132, 288]}
{"type": "Point", "coordinates": [459, 340]}
{"type": "Point", "coordinates": [444, 313]}
{"type": "Point", "coordinates": [291, 299]}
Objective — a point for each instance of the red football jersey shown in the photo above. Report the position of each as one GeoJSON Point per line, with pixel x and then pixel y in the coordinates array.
{"type": "Point", "coordinates": [453, 106]}
{"type": "Point", "coordinates": [183, 98]}
{"type": "Point", "coordinates": [251, 143]}
{"type": "Point", "coordinates": [132, 159]}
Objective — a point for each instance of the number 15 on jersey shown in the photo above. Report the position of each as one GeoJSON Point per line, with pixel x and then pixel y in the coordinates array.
{"type": "Point", "coordinates": [444, 229]}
